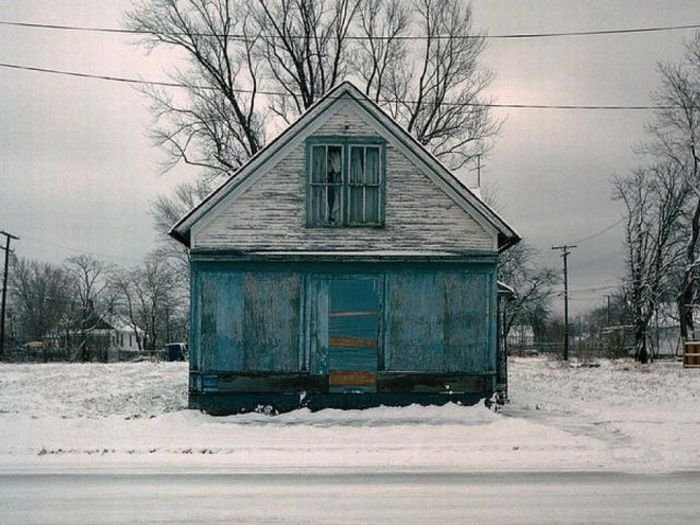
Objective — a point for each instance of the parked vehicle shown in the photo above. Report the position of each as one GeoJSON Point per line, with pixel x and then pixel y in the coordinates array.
{"type": "Point", "coordinates": [176, 352]}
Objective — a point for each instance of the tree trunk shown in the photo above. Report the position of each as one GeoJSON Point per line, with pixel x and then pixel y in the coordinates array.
{"type": "Point", "coordinates": [641, 353]}
{"type": "Point", "coordinates": [687, 290]}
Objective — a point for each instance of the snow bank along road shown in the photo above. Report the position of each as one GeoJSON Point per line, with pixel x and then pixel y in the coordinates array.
{"type": "Point", "coordinates": [619, 417]}
{"type": "Point", "coordinates": [503, 498]}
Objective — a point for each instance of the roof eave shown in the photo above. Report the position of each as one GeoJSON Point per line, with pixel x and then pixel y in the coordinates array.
{"type": "Point", "coordinates": [183, 238]}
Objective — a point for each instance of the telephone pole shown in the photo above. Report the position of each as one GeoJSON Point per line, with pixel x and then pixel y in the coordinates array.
{"type": "Point", "coordinates": [8, 237]}
{"type": "Point", "coordinates": [564, 248]}
{"type": "Point", "coordinates": [478, 170]}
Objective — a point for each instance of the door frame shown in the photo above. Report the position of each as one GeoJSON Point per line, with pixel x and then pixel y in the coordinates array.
{"type": "Point", "coordinates": [316, 302]}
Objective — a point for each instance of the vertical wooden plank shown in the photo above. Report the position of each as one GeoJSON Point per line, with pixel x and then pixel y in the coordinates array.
{"type": "Point", "coordinates": [384, 355]}
{"type": "Point", "coordinates": [222, 321]}
{"type": "Point", "coordinates": [319, 298]}
{"type": "Point", "coordinates": [492, 285]}
{"type": "Point", "coordinates": [303, 323]}
{"type": "Point", "coordinates": [415, 322]}
{"type": "Point", "coordinates": [208, 328]}
{"type": "Point", "coordinates": [466, 321]}
{"type": "Point", "coordinates": [271, 321]}
{"type": "Point", "coordinates": [229, 322]}
{"type": "Point", "coordinates": [195, 329]}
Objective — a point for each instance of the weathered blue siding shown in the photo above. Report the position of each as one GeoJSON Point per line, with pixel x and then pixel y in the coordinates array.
{"type": "Point", "coordinates": [447, 329]}
{"type": "Point", "coordinates": [245, 320]}
{"type": "Point", "coordinates": [272, 316]}
{"type": "Point", "coordinates": [293, 327]}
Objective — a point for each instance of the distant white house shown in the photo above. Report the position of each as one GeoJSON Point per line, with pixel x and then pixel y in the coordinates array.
{"type": "Point", "coordinates": [521, 335]}
{"type": "Point", "coordinates": [122, 336]}
{"type": "Point", "coordinates": [109, 338]}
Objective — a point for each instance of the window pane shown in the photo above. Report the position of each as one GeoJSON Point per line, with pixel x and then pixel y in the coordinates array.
{"type": "Point", "coordinates": [355, 205]}
{"type": "Point", "coordinates": [335, 164]}
{"type": "Point", "coordinates": [357, 164]}
{"type": "Point", "coordinates": [333, 197]}
{"type": "Point", "coordinates": [318, 164]}
{"type": "Point", "coordinates": [371, 204]}
{"type": "Point", "coordinates": [318, 205]}
{"type": "Point", "coordinates": [372, 168]}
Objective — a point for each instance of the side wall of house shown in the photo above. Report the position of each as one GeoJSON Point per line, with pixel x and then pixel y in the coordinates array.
{"type": "Point", "coordinates": [253, 327]}
{"type": "Point", "coordinates": [271, 214]}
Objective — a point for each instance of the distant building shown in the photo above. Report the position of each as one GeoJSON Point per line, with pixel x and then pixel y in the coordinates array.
{"type": "Point", "coordinates": [343, 266]}
{"type": "Point", "coordinates": [521, 336]}
{"type": "Point", "coordinates": [108, 339]}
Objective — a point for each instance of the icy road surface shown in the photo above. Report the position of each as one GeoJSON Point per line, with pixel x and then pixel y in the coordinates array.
{"type": "Point", "coordinates": [504, 498]}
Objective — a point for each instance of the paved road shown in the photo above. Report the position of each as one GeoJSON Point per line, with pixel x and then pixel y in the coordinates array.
{"type": "Point", "coordinates": [496, 498]}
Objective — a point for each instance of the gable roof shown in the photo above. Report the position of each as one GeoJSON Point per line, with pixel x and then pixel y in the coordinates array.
{"type": "Point", "coordinates": [507, 236]}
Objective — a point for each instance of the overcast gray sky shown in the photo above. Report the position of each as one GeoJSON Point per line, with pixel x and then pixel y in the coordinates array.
{"type": "Point", "coordinates": [78, 171]}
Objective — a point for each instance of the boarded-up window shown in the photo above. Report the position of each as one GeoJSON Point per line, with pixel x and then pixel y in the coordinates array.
{"type": "Point", "coordinates": [220, 335]}
{"type": "Point", "coordinates": [415, 323]}
{"type": "Point", "coordinates": [271, 322]}
{"type": "Point", "coordinates": [249, 321]}
{"type": "Point", "coordinates": [439, 322]}
{"type": "Point", "coordinates": [346, 182]}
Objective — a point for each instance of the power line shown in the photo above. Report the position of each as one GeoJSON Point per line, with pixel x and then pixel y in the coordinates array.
{"type": "Point", "coordinates": [114, 258]}
{"type": "Point", "coordinates": [241, 36]}
{"type": "Point", "coordinates": [127, 80]}
{"type": "Point", "coordinates": [600, 232]}
{"type": "Point", "coordinates": [596, 288]}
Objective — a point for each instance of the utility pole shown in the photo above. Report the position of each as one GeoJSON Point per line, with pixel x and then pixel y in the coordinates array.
{"type": "Point", "coordinates": [8, 237]}
{"type": "Point", "coordinates": [564, 248]}
{"type": "Point", "coordinates": [478, 170]}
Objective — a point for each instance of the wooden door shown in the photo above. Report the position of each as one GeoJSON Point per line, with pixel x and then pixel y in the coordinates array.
{"type": "Point", "coordinates": [353, 334]}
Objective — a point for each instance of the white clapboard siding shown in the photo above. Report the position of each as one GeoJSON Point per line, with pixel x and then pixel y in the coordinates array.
{"type": "Point", "coordinates": [271, 214]}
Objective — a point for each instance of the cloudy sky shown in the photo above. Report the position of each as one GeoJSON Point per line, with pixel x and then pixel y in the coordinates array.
{"type": "Point", "coordinates": [78, 173]}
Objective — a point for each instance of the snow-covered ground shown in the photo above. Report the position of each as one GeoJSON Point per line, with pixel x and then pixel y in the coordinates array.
{"type": "Point", "coordinates": [618, 416]}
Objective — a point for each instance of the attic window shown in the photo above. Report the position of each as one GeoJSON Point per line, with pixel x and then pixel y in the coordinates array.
{"type": "Point", "coordinates": [346, 181]}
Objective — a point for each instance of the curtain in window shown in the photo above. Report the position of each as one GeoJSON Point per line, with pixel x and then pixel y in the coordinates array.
{"type": "Point", "coordinates": [364, 185]}
{"type": "Point", "coordinates": [357, 180]}
{"type": "Point", "coordinates": [372, 185]}
{"type": "Point", "coordinates": [334, 181]}
{"type": "Point", "coordinates": [326, 184]}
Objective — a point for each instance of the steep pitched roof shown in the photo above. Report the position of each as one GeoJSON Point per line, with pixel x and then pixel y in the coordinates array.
{"type": "Point", "coordinates": [507, 236]}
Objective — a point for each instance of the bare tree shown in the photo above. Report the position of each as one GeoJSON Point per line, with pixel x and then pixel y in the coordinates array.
{"type": "Point", "coordinates": [124, 291]}
{"type": "Point", "coordinates": [298, 50]}
{"type": "Point", "coordinates": [168, 209]}
{"type": "Point", "coordinates": [218, 126]}
{"type": "Point", "coordinates": [675, 136]}
{"type": "Point", "coordinates": [654, 199]}
{"type": "Point", "coordinates": [436, 91]}
{"type": "Point", "coordinates": [152, 297]}
{"type": "Point", "coordinates": [91, 299]}
{"type": "Point", "coordinates": [533, 287]}
{"type": "Point", "coordinates": [41, 297]}
{"type": "Point", "coordinates": [305, 47]}
{"type": "Point", "coordinates": [383, 54]}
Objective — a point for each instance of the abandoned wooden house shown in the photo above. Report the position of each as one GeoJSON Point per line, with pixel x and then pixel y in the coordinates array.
{"type": "Point", "coordinates": [342, 266]}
